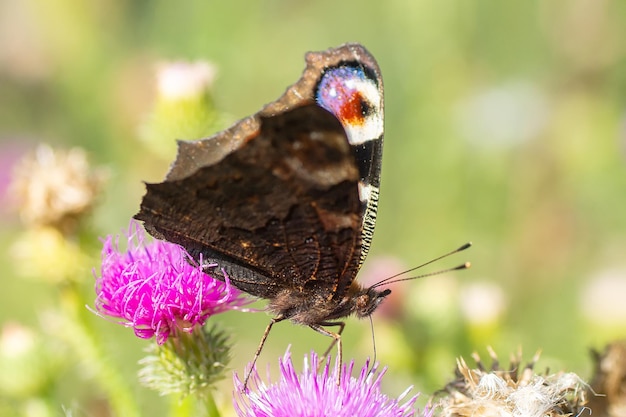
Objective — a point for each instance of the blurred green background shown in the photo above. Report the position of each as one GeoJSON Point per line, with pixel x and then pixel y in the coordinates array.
{"type": "Point", "coordinates": [505, 125]}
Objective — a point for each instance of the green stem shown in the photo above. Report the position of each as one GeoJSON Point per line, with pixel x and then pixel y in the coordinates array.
{"type": "Point", "coordinates": [181, 407]}
{"type": "Point", "coordinates": [211, 407]}
{"type": "Point", "coordinates": [74, 330]}
{"type": "Point", "coordinates": [186, 406]}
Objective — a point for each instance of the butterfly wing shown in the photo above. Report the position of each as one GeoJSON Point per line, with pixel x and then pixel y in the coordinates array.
{"type": "Point", "coordinates": [285, 199]}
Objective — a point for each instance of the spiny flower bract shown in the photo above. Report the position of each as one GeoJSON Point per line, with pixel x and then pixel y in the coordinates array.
{"type": "Point", "coordinates": [189, 364]}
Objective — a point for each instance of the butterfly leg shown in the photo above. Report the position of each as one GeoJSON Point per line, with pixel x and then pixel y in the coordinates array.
{"type": "Point", "coordinates": [319, 327]}
{"type": "Point", "coordinates": [259, 349]}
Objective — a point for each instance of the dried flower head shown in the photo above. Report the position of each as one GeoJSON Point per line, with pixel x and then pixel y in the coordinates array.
{"type": "Point", "coordinates": [608, 397]}
{"type": "Point", "coordinates": [55, 188]}
{"type": "Point", "coordinates": [514, 392]}
{"type": "Point", "coordinates": [153, 289]}
{"type": "Point", "coordinates": [314, 393]}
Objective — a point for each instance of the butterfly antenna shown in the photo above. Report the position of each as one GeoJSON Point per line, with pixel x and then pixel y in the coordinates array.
{"type": "Point", "coordinates": [391, 279]}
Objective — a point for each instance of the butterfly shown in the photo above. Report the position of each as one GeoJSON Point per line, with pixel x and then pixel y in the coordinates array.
{"type": "Point", "coordinates": [284, 202]}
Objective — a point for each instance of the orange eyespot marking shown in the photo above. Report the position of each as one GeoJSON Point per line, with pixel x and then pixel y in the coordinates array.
{"type": "Point", "coordinates": [354, 110]}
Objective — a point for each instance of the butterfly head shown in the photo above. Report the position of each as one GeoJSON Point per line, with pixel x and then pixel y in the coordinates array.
{"type": "Point", "coordinates": [368, 300]}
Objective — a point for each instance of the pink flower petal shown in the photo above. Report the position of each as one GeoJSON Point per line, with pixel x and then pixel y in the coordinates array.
{"type": "Point", "coordinates": [153, 289]}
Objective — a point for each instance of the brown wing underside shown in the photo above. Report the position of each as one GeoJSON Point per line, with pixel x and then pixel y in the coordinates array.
{"type": "Point", "coordinates": [282, 212]}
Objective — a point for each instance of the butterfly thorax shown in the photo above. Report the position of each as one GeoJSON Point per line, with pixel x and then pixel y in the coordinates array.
{"type": "Point", "coordinates": [303, 309]}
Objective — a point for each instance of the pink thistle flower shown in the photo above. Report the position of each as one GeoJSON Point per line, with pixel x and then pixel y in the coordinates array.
{"type": "Point", "coordinates": [153, 289]}
{"type": "Point", "coordinates": [315, 393]}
